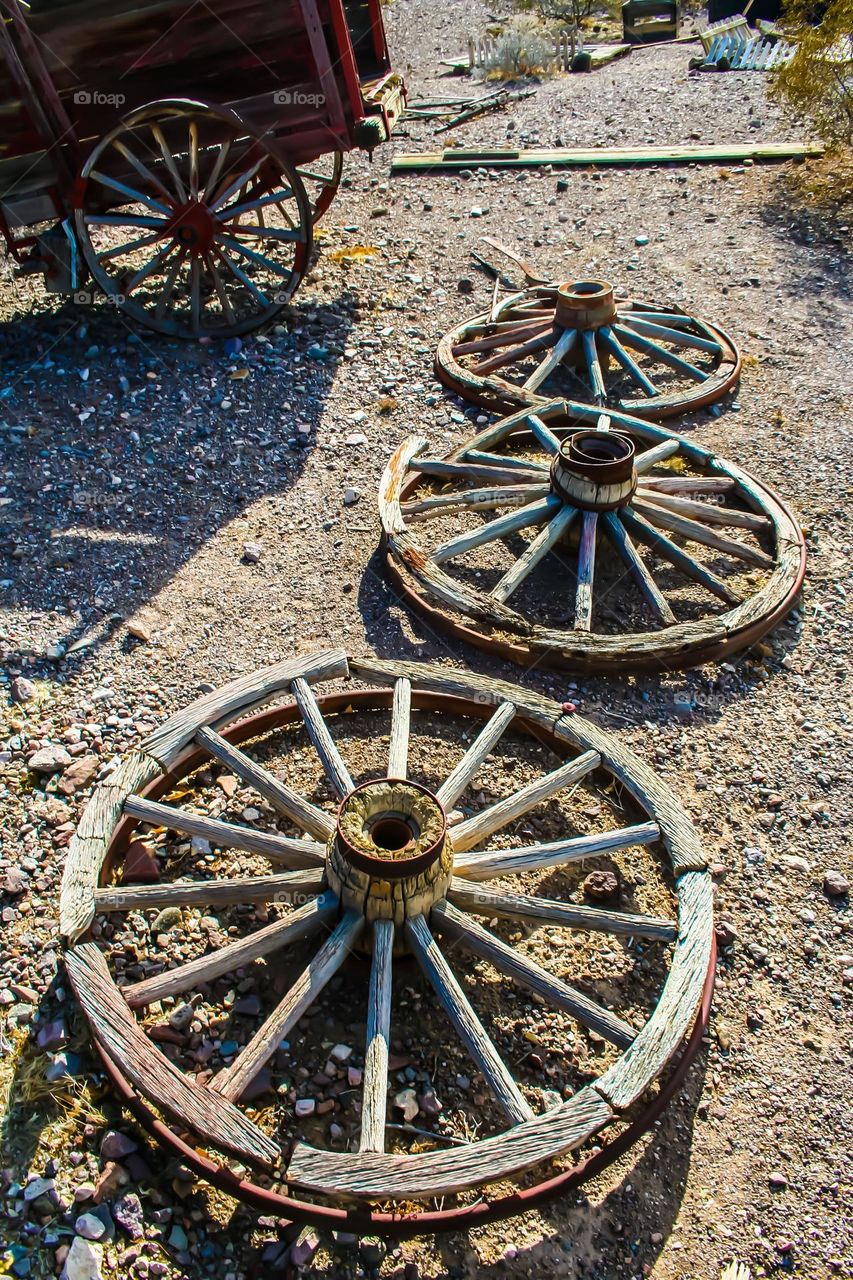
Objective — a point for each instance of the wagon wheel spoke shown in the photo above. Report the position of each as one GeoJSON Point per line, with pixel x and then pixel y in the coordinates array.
{"type": "Point", "coordinates": [492, 863]}
{"type": "Point", "coordinates": [285, 850]}
{"type": "Point", "coordinates": [195, 293]}
{"type": "Point", "coordinates": [155, 265]}
{"type": "Point", "coordinates": [514, 965]}
{"type": "Point", "coordinates": [505, 337]}
{"type": "Point", "coordinates": [132, 194]}
{"type": "Point", "coordinates": [468, 1026]}
{"type": "Point", "coordinates": [498, 461]}
{"type": "Point", "coordinates": [596, 377]}
{"type": "Point", "coordinates": [169, 286]}
{"type": "Point", "coordinates": [193, 159]}
{"type": "Point", "coordinates": [501, 527]}
{"type": "Point", "coordinates": [518, 352]}
{"type": "Point", "coordinates": [169, 161]}
{"type": "Point", "coordinates": [320, 184]}
{"type": "Point", "coordinates": [220, 199]}
{"type": "Point", "coordinates": [401, 714]}
{"type": "Point", "coordinates": [696, 532]}
{"type": "Point", "coordinates": [549, 442]}
{"type": "Point", "coordinates": [221, 292]}
{"type": "Point", "coordinates": [485, 742]}
{"type": "Point", "coordinates": [239, 274]}
{"type": "Point", "coordinates": [232, 1081]}
{"type": "Point", "coordinates": [302, 923]}
{"type": "Point", "coordinates": [537, 549]}
{"type": "Point", "coordinates": [562, 347]}
{"type": "Point", "coordinates": [651, 457]}
{"type": "Point", "coordinates": [481, 901]}
{"type": "Point", "coordinates": [627, 361]}
{"type": "Point", "coordinates": [125, 220]}
{"type": "Point", "coordinates": [659, 353]}
{"type": "Point", "coordinates": [128, 247]}
{"type": "Point", "coordinates": [679, 337]}
{"type": "Point", "coordinates": [251, 206]}
{"type": "Point", "coordinates": [375, 1084]}
{"type": "Point", "coordinates": [638, 569]}
{"type": "Point", "coordinates": [726, 517]}
{"type": "Point", "coordinates": [678, 557]}
{"type": "Point", "coordinates": [483, 499]}
{"type": "Point", "coordinates": [144, 172]}
{"type": "Point", "coordinates": [318, 731]}
{"type": "Point", "coordinates": [285, 886]}
{"type": "Point", "coordinates": [586, 571]}
{"type": "Point", "coordinates": [469, 833]}
{"type": "Point", "coordinates": [222, 154]}
{"type": "Point", "coordinates": [277, 793]}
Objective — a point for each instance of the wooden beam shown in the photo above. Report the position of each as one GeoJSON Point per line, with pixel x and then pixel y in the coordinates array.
{"type": "Point", "coordinates": [592, 157]}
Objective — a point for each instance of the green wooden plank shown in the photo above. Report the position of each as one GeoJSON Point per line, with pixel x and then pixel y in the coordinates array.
{"type": "Point", "coordinates": [463, 158]}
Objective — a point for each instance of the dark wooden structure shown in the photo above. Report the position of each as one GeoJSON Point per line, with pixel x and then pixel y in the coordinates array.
{"type": "Point", "coordinates": [149, 95]}
{"type": "Point", "coordinates": [648, 21]}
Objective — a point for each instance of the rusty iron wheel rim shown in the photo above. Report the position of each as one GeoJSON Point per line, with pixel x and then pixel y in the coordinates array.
{"type": "Point", "coordinates": [452, 605]}
{"type": "Point", "coordinates": [616, 344]}
{"type": "Point", "coordinates": [691, 879]}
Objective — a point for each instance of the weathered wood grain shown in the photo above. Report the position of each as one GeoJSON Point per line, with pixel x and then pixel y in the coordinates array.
{"type": "Point", "coordinates": [398, 746]}
{"type": "Point", "coordinates": [557, 853]}
{"type": "Point", "coordinates": [638, 569]}
{"type": "Point", "coordinates": [536, 549]}
{"type": "Point", "coordinates": [233, 1080]}
{"type": "Point", "coordinates": [288, 887]}
{"type": "Point", "coordinates": [521, 969]}
{"type": "Point", "coordinates": [318, 731]}
{"type": "Point", "coordinates": [501, 527]}
{"type": "Point", "coordinates": [658, 542]}
{"type": "Point", "coordinates": [566, 915]}
{"type": "Point", "coordinates": [375, 1092]}
{"type": "Point", "coordinates": [468, 1026]}
{"type": "Point", "coordinates": [694, 531]}
{"type": "Point", "coordinates": [302, 923]}
{"type": "Point", "coordinates": [251, 691]}
{"type": "Point", "coordinates": [227, 835]}
{"type": "Point", "coordinates": [485, 742]}
{"type": "Point", "coordinates": [157, 1079]}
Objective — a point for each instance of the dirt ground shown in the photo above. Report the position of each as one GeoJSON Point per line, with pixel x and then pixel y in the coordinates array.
{"type": "Point", "coordinates": [134, 472]}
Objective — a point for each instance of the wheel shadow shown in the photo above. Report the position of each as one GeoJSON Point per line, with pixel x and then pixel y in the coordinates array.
{"type": "Point", "coordinates": [814, 244]}
{"type": "Point", "coordinates": [118, 468]}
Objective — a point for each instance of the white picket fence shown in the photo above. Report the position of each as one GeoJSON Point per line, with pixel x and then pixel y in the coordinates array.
{"type": "Point", "coordinates": [483, 52]}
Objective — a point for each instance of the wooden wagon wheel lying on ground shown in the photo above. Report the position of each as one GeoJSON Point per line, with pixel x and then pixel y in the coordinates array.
{"type": "Point", "coordinates": [575, 340]}
{"type": "Point", "coordinates": [214, 233]}
{"type": "Point", "coordinates": [526, 541]}
{"type": "Point", "coordinates": [373, 821]}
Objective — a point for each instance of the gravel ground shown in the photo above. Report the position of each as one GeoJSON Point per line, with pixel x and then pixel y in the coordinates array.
{"type": "Point", "coordinates": [135, 472]}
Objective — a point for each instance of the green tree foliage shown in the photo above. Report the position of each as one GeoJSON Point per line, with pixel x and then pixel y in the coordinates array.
{"type": "Point", "coordinates": [818, 81]}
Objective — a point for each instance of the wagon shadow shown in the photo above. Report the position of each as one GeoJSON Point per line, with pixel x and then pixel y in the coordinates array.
{"type": "Point", "coordinates": [115, 474]}
{"type": "Point", "coordinates": [814, 244]}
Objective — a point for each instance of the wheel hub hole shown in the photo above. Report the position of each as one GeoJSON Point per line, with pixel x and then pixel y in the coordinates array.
{"type": "Point", "coordinates": [393, 832]}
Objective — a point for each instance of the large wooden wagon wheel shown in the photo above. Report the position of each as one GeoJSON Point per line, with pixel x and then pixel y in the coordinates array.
{"type": "Point", "coordinates": [372, 822]}
{"type": "Point", "coordinates": [321, 179]}
{"type": "Point", "coordinates": [591, 540]}
{"type": "Point", "coordinates": [192, 224]}
{"type": "Point", "coordinates": [576, 340]}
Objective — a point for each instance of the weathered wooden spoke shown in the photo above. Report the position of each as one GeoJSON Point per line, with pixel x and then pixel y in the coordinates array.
{"type": "Point", "coordinates": [321, 179]}
{"type": "Point", "coordinates": [389, 875]}
{"type": "Point", "coordinates": [378, 1039]}
{"type": "Point", "coordinates": [618, 487]}
{"type": "Point", "coordinates": [471, 1031]}
{"type": "Point", "coordinates": [233, 1080]}
{"type": "Point", "coordinates": [507, 960]}
{"type": "Point", "coordinates": [490, 864]}
{"type": "Point", "coordinates": [586, 333]}
{"type": "Point", "coordinates": [197, 219]}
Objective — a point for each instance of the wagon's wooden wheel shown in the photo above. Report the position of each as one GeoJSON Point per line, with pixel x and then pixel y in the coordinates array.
{"type": "Point", "coordinates": [589, 539]}
{"type": "Point", "coordinates": [321, 179]}
{"type": "Point", "coordinates": [373, 821]}
{"type": "Point", "coordinates": [191, 223]}
{"type": "Point", "coordinates": [576, 340]}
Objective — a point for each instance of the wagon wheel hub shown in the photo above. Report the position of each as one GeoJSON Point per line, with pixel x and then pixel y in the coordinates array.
{"type": "Point", "coordinates": [389, 856]}
{"type": "Point", "coordinates": [584, 304]}
{"type": "Point", "coordinates": [194, 227]}
{"type": "Point", "coordinates": [594, 470]}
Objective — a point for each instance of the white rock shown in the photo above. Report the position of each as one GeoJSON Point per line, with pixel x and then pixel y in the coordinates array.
{"type": "Point", "coordinates": [83, 1261]}
{"type": "Point", "coordinates": [89, 1226]}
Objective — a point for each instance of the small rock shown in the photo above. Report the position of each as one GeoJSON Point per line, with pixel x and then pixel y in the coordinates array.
{"type": "Point", "coordinates": [355, 1076]}
{"type": "Point", "coordinates": [181, 1017]}
{"type": "Point", "coordinates": [228, 784]}
{"type": "Point", "coordinates": [116, 1145]}
{"type": "Point", "coordinates": [37, 1188]}
{"type": "Point", "coordinates": [252, 552]}
{"type": "Point", "coordinates": [127, 1212]}
{"type": "Point", "coordinates": [166, 919]}
{"type": "Point", "coordinates": [429, 1104]}
{"type": "Point", "coordinates": [303, 1249]}
{"type": "Point", "coordinates": [305, 1107]}
{"type": "Point", "coordinates": [89, 1227]}
{"type": "Point", "coordinates": [79, 774]}
{"type": "Point", "coordinates": [83, 1261]}
{"type": "Point", "coordinates": [341, 1053]}
{"type": "Point", "coordinates": [835, 885]}
{"type": "Point", "coordinates": [357, 437]}
{"type": "Point", "coordinates": [464, 285]}
{"type": "Point", "coordinates": [778, 1180]}
{"type": "Point", "coordinates": [51, 1035]}
{"type": "Point", "coordinates": [48, 760]}
{"type": "Point", "coordinates": [601, 886]}
{"type": "Point", "coordinates": [178, 1237]}
{"type": "Point", "coordinates": [22, 689]}
{"type": "Point", "coordinates": [407, 1102]}
{"type": "Point", "coordinates": [351, 497]}
{"type": "Point", "coordinates": [372, 1251]}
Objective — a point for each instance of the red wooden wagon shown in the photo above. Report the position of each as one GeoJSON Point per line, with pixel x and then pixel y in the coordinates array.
{"type": "Point", "coordinates": [174, 154]}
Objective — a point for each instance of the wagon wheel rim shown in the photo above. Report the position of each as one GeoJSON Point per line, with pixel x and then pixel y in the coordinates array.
{"type": "Point", "coordinates": [321, 179]}
{"type": "Point", "coordinates": [213, 234]}
{"type": "Point", "coordinates": [577, 340]}
{"type": "Point", "coordinates": [729, 555]}
{"type": "Point", "coordinates": [461, 896]}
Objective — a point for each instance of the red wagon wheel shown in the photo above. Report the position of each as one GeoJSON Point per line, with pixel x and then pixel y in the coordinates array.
{"type": "Point", "coordinates": [576, 340]}
{"type": "Point", "coordinates": [321, 179]}
{"type": "Point", "coordinates": [299, 846]}
{"type": "Point", "coordinates": [192, 223]}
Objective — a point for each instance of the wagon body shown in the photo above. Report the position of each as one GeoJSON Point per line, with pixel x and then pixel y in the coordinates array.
{"type": "Point", "coordinates": [313, 74]}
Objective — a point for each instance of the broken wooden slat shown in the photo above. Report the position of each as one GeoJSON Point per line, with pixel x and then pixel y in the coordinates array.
{"type": "Point", "coordinates": [592, 157]}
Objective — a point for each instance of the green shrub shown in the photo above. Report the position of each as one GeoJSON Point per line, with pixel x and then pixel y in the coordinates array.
{"type": "Point", "coordinates": [818, 81]}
